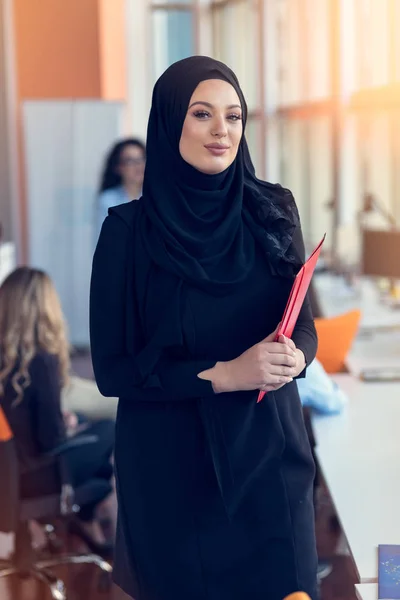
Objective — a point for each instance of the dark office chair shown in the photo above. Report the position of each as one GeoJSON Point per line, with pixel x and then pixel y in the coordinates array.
{"type": "Point", "coordinates": [16, 512]}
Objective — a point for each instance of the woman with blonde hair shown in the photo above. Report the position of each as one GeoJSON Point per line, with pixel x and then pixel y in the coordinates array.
{"type": "Point", "coordinates": [34, 367]}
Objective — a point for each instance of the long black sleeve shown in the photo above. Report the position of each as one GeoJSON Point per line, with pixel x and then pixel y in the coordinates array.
{"type": "Point", "coordinates": [48, 427]}
{"type": "Point", "coordinates": [304, 334]}
{"type": "Point", "coordinates": [113, 366]}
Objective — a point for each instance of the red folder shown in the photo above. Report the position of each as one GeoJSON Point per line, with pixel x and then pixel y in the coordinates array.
{"type": "Point", "coordinates": [296, 298]}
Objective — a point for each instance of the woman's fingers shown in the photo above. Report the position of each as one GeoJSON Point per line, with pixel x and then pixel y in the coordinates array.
{"type": "Point", "coordinates": [274, 379]}
{"type": "Point", "coordinates": [283, 359]}
{"type": "Point", "coordinates": [285, 340]}
{"type": "Point", "coordinates": [279, 348]}
{"type": "Point", "coordinates": [282, 371]}
{"type": "Point", "coordinates": [273, 387]}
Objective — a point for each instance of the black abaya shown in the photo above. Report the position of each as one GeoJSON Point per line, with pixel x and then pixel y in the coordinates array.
{"type": "Point", "coordinates": [215, 491]}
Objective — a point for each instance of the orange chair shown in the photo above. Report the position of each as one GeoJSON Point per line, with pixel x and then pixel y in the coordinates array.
{"type": "Point", "coordinates": [335, 337]}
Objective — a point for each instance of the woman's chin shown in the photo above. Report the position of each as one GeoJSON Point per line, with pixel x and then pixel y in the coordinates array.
{"type": "Point", "coordinates": [213, 167]}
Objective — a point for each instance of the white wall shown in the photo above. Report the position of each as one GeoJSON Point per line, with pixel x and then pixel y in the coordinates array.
{"type": "Point", "coordinates": [65, 143]}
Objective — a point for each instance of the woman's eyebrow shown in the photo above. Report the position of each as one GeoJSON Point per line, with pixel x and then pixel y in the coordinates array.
{"type": "Point", "coordinates": [211, 106]}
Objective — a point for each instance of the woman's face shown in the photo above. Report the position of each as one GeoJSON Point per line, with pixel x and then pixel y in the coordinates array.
{"type": "Point", "coordinates": [212, 128]}
{"type": "Point", "coordinates": [131, 165]}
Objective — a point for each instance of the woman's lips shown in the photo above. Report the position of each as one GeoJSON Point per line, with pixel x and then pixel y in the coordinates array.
{"type": "Point", "coordinates": [217, 149]}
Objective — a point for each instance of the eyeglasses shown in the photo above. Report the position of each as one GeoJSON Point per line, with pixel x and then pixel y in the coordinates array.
{"type": "Point", "coordinates": [126, 162]}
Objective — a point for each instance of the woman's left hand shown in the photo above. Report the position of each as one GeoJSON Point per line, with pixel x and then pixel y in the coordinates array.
{"type": "Point", "coordinates": [300, 361]}
{"type": "Point", "coordinates": [300, 358]}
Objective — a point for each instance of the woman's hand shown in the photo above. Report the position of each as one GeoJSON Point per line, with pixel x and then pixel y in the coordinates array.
{"type": "Point", "coordinates": [265, 366]}
{"type": "Point", "coordinates": [300, 363]}
{"type": "Point", "coordinates": [300, 358]}
{"type": "Point", "coordinates": [71, 422]}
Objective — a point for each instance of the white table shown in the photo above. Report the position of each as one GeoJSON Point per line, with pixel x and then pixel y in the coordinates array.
{"type": "Point", "coordinates": [378, 342]}
{"type": "Point", "coordinates": [359, 455]}
{"type": "Point", "coordinates": [359, 451]}
{"type": "Point", "coordinates": [336, 297]}
{"type": "Point", "coordinates": [367, 591]}
{"type": "Point", "coordinates": [378, 349]}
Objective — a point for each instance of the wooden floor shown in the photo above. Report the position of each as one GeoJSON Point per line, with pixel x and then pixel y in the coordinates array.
{"type": "Point", "coordinates": [83, 582]}
{"type": "Point", "coordinates": [339, 585]}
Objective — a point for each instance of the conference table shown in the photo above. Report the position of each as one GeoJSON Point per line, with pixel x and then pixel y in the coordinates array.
{"type": "Point", "coordinates": [337, 297]}
{"type": "Point", "coordinates": [359, 454]}
{"type": "Point", "coordinates": [359, 450]}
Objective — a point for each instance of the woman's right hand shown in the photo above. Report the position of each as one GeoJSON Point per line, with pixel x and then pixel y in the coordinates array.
{"type": "Point", "coordinates": [266, 366]}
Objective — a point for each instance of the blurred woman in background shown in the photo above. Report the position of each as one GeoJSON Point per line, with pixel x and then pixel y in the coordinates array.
{"type": "Point", "coordinates": [122, 177]}
{"type": "Point", "coordinates": [34, 367]}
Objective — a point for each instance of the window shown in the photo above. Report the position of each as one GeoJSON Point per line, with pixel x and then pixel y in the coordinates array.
{"type": "Point", "coordinates": [236, 42]}
{"type": "Point", "coordinates": [301, 64]}
{"type": "Point", "coordinates": [378, 155]}
{"type": "Point", "coordinates": [374, 108]}
{"type": "Point", "coordinates": [394, 16]}
{"type": "Point", "coordinates": [173, 28]}
{"type": "Point", "coordinates": [317, 46]}
{"type": "Point", "coordinates": [290, 35]}
{"type": "Point", "coordinates": [300, 109]}
{"type": "Point", "coordinates": [233, 44]}
{"type": "Point", "coordinates": [320, 174]}
{"type": "Point", "coordinates": [371, 37]}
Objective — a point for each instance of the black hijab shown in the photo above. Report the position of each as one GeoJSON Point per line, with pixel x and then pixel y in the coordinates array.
{"type": "Point", "coordinates": [197, 223]}
{"type": "Point", "coordinates": [202, 228]}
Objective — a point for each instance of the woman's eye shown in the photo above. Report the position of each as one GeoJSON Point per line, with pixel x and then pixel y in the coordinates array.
{"type": "Point", "coordinates": [235, 117]}
{"type": "Point", "coordinates": [201, 114]}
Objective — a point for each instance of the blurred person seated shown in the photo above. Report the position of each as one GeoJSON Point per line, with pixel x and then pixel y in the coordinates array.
{"type": "Point", "coordinates": [34, 367]}
{"type": "Point", "coordinates": [320, 392]}
{"type": "Point", "coordinates": [82, 396]}
{"type": "Point", "coordinates": [122, 177]}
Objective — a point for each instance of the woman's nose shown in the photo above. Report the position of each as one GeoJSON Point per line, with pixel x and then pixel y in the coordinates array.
{"type": "Point", "coordinates": [219, 127]}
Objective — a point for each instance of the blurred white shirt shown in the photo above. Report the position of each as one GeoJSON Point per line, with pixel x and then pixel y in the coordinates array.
{"type": "Point", "coordinates": [106, 200]}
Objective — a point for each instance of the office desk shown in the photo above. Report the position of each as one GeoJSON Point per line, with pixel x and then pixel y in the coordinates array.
{"type": "Point", "coordinates": [359, 455]}
{"type": "Point", "coordinates": [336, 297]}
{"type": "Point", "coordinates": [378, 341]}
{"type": "Point", "coordinates": [375, 350]}
{"type": "Point", "coordinates": [367, 591]}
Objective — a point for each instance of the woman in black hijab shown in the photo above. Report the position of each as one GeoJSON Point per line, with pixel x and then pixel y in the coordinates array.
{"type": "Point", "coordinates": [188, 286]}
